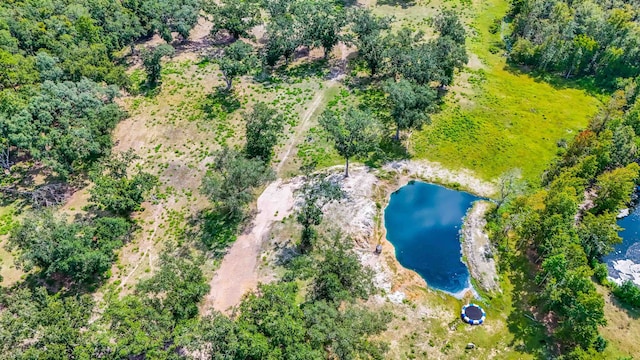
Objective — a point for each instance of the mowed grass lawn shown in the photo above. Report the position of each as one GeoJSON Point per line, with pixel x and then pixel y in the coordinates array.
{"type": "Point", "coordinates": [508, 119]}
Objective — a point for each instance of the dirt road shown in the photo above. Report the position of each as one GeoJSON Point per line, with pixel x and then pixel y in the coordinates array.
{"type": "Point", "coordinates": [238, 272]}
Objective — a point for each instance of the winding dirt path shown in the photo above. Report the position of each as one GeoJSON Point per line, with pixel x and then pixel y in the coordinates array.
{"type": "Point", "coordinates": [238, 272]}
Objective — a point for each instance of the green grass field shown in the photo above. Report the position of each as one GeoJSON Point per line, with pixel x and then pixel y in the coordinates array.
{"type": "Point", "coordinates": [495, 118]}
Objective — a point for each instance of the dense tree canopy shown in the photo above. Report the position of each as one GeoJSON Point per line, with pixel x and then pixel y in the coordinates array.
{"type": "Point", "coordinates": [570, 233]}
{"type": "Point", "coordinates": [577, 38]}
{"type": "Point", "coordinates": [82, 251]}
{"type": "Point", "coordinates": [237, 17]}
{"type": "Point", "coordinates": [65, 125]}
{"type": "Point", "coordinates": [296, 23]}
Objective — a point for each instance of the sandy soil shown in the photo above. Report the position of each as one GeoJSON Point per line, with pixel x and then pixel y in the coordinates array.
{"type": "Point", "coordinates": [434, 172]}
{"type": "Point", "coordinates": [239, 272]}
{"type": "Point", "coordinates": [476, 247]}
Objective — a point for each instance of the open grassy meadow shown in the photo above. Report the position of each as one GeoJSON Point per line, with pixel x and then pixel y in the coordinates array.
{"type": "Point", "coordinates": [497, 117]}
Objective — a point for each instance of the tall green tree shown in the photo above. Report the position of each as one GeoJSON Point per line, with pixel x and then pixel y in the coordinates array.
{"type": "Point", "coordinates": [117, 192]}
{"type": "Point", "coordinates": [410, 104]}
{"type": "Point", "coordinates": [237, 59]}
{"type": "Point", "coordinates": [354, 132]}
{"type": "Point", "coordinates": [615, 188]}
{"type": "Point", "coordinates": [340, 275]}
{"type": "Point", "coordinates": [151, 60]}
{"type": "Point", "coordinates": [263, 126]}
{"type": "Point", "coordinates": [598, 234]}
{"type": "Point", "coordinates": [448, 25]}
{"type": "Point", "coordinates": [371, 44]}
{"type": "Point", "coordinates": [316, 195]}
{"type": "Point", "coordinates": [231, 181]}
{"type": "Point", "coordinates": [177, 287]}
{"type": "Point", "coordinates": [237, 17]}
{"type": "Point", "coordinates": [284, 36]}
{"type": "Point", "coordinates": [321, 21]}
{"type": "Point", "coordinates": [450, 56]}
{"type": "Point", "coordinates": [166, 16]}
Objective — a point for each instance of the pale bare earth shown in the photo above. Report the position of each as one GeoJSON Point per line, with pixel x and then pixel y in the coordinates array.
{"type": "Point", "coordinates": [238, 272]}
{"type": "Point", "coordinates": [477, 247]}
{"type": "Point", "coordinates": [434, 172]}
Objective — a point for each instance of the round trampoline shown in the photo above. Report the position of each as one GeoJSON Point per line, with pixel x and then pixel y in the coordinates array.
{"type": "Point", "coordinates": [473, 314]}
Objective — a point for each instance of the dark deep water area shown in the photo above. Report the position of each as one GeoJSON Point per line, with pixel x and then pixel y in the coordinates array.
{"type": "Point", "coordinates": [423, 223]}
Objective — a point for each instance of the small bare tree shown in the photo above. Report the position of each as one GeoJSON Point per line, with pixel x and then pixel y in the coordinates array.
{"type": "Point", "coordinates": [509, 185]}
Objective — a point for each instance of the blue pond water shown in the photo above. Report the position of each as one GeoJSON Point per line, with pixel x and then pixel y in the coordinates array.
{"type": "Point", "coordinates": [629, 249]}
{"type": "Point", "coordinates": [423, 221]}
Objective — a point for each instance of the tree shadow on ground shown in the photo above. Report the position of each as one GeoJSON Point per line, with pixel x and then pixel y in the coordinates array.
{"type": "Point", "coordinates": [529, 334]}
{"type": "Point", "coordinates": [303, 70]}
{"type": "Point", "coordinates": [220, 103]}
{"type": "Point", "coordinates": [217, 231]}
{"type": "Point", "coordinates": [388, 150]}
{"type": "Point", "coordinates": [402, 3]}
{"type": "Point", "coordinates": [632, 312]}
{"type": "Point", "coordinates": [589, 84]}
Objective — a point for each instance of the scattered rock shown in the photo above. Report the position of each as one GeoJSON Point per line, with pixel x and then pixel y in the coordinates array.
{"type": "Point", "coordinates": [477, 247]}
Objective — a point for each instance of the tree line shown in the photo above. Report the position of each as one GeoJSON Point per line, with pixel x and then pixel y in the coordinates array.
{"type": "Point", "coordinates": [566, 227]}
{"type": "Point", "coordinates": [160, 318]}
{"type": "Point", "coordinates": [577, 38]}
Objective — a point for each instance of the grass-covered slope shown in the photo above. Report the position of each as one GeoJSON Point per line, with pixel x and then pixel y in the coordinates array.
{"type": "Point", "coordinates": [496, 117]}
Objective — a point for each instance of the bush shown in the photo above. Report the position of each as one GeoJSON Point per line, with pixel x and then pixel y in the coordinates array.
{"type": "Point", "coordinates": [628, 293]}
{"type": "Point", "coordinates": [600, 272]}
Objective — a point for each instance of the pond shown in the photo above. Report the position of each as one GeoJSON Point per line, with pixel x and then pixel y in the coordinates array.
{"type": "Point", "coordinates": [423, 223]}
{"type": "Point", "coordinates": [624, 261]}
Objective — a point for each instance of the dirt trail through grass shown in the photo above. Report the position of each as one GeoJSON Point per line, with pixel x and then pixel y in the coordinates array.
{"type": "Point", "coordinates": [239, 271]}
{"type": "Point", "coordinates": [302, 128]}
{"type": "Point", "coordinates": [147, 244]}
